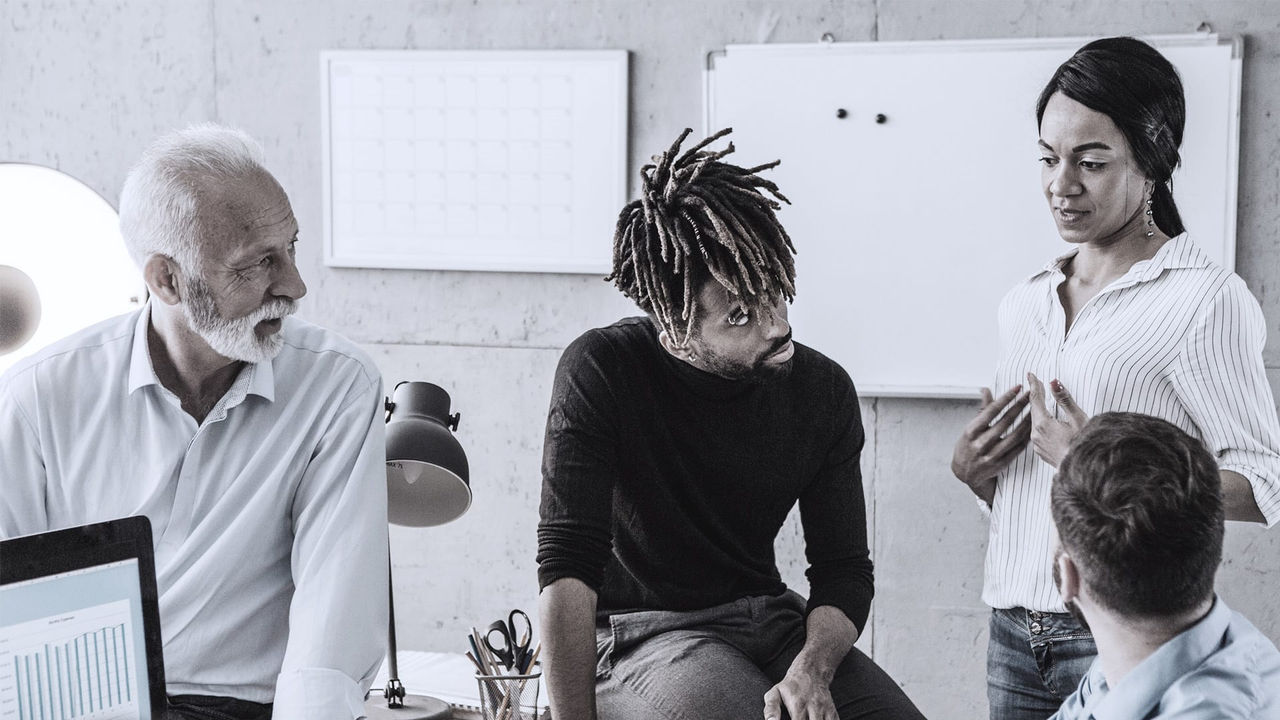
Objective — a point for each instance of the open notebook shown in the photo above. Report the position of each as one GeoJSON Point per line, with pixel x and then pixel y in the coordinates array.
{"type": "Point", "coordinates": [446, 676]}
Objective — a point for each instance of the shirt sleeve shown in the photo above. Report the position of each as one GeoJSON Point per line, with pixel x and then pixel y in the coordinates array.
{"type": "Point", "coordinates": [833, 514]}
{"type": "Point", "coordinates": [338, 615]}
{"type": "Point", "coordinates": [579, 467]}
{"type": "Point", "coordinates": [22, 471]}
{"type": "Point", "coordinates": [1221, 379]}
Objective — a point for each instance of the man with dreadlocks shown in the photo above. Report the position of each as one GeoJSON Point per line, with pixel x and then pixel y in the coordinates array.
{"type": "Point", "coordinates": [676, 446]}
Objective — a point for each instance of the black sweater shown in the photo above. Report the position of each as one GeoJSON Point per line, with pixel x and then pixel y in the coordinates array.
{"type": "Point", "coordinates": [664, 487]}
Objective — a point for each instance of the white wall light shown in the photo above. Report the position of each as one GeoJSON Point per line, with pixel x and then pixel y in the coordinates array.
{"type": "Point", "coordinates": [66, 238]}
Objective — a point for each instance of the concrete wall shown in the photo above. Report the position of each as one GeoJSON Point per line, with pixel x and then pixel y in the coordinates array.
{"type": "Point", "coordinates": [83, 87]}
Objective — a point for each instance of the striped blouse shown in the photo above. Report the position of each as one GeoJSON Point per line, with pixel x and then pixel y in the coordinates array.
{"type": "Point", "coordinates": [1177, 337]}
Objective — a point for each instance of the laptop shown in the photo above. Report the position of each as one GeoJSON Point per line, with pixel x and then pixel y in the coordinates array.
{"type": "Point", "coordinates": [80, 625]}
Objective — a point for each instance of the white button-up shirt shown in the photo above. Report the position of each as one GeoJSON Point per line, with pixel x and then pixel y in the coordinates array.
{"type": "Point", "coordinates": [269, 517]}
{"type": "Point", "coordinates": [1177, 337]}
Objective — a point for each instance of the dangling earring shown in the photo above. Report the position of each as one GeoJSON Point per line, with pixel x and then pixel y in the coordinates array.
{"type": "Point", "coordinates": [1150, 220]}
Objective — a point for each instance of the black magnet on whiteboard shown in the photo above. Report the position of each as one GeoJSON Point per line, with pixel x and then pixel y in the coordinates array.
{"type": "Point", "coordinates": [881, 118]}
{"type": "Point", "coordinates": [842, 113]}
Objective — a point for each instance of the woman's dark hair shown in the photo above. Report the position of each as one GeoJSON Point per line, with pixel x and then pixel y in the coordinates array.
{"type": "Point", "coordinates": [1133, 84]}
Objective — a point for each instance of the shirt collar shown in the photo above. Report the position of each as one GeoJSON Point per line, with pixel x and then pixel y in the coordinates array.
{"type": "Point", "coordinates": [1140, 691]}
{"type": "Point", "coordinates": [1178, 252]}
{"type": "Point", "coordinates": [262, 379]}
{"type": "Point", "coordinates": [261, 376]}
{"type": "Point", "coordinates": [141, 373]}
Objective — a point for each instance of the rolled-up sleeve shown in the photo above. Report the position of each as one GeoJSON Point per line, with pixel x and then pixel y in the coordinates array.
{"type": "Point", "coordinates": [338, 615]}
{"type": "Point", "coordinates": [834, 516]}
{"type": "Point", "coordinates": [579, 468]}
{"type": "Point", "coordinates": [1221, 379]}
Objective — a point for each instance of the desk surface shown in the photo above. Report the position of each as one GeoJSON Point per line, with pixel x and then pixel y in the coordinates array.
{"type": "Point", "coordinates": [450, 677]}
{"type": "Point", "coordinates": [415, 706]}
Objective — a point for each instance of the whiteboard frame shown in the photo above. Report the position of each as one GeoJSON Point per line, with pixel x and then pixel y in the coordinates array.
{"type": "Point", "coordinates": [338, 254]}
{"type": "Point", "coordinates": [1228, 251]}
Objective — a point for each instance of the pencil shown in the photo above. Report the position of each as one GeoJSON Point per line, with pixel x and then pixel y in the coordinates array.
{"type": "Point", "coordinates": [518, 691]}
{"type": "Point", "coordinates": [484, 666]}
{"type": "Point", "coordinates": [533, 659]}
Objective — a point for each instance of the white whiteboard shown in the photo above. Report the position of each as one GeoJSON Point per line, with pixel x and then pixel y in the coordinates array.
{"type": "Point", "coordinates": [473, 160]}
{"type": "Point", "coordinates": [910, 231]}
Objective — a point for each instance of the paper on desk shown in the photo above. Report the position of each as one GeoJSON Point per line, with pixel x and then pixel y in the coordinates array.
{"type": "Point", "coordinates": [446, 676]}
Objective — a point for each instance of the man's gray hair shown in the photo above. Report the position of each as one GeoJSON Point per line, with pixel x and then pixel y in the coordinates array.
{"type": "Point", "coordinates": [159, 205]}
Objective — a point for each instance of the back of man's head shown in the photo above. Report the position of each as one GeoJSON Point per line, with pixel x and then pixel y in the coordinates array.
{"type": "Point", "coordinates": [1138, 506]}
{"type": "Point", "coordinates": [160, 210]}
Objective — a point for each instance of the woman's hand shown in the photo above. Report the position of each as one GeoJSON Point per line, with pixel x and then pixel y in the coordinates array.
{"type": "Point", "coordinates": [1050, 436]}
{"type": "Point", "coordinates": [988, 443]}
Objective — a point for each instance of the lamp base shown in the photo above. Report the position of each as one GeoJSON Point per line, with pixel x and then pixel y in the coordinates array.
{"type": "Point", "coordinates": [416, 707]}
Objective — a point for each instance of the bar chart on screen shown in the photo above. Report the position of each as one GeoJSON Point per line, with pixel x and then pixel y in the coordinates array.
{"type": "Point", "coordinates": [77, 665]}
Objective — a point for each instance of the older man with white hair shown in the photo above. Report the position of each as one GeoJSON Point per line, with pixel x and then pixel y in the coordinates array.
{"type": "Point", "coordinates": [253, 441]}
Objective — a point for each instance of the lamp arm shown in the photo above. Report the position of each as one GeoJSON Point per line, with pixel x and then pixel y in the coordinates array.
{"type": "Point", "coordinates": [394, 691]}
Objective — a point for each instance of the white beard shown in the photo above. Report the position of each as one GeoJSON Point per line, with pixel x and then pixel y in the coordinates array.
{"type": "Point", "coordinates": [235, 339]}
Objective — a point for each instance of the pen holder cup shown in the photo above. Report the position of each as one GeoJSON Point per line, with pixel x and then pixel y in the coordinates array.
{"type": "Point", "coordinates": [509, 697]}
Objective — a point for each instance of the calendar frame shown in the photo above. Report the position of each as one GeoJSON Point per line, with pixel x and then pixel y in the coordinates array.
{"type": "Point", "coordinates": [370, 220]}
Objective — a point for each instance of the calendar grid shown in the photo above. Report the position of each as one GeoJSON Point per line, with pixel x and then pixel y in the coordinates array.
{"type": "Point", "coordinates": [474, 160]}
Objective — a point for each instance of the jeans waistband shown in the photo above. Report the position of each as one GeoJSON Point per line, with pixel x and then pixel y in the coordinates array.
{"type": "Point", "coordinates": [1042, 627]}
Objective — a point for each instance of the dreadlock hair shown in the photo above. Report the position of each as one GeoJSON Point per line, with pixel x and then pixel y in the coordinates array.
{"type": "Point", "coordinates": [700, 218]}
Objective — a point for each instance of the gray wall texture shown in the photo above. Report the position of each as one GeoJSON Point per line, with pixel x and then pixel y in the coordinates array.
{"type": "Point", "coordinates": [85, 86]}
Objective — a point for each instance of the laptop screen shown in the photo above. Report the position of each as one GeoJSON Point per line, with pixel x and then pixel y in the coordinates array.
{"type": "Point", "coordinates": [73, 642]}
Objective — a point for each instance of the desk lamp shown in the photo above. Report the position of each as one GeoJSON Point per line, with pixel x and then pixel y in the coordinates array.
{"type": "Point", "coordinates": [19, 308]}
{"type": "Point", "coordinates": [428, 484]}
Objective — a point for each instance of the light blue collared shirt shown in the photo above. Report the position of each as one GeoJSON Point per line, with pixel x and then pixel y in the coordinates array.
{"type": "Point", "coordinates": [269, 517]}
{"type": "Point", "coordinates": [1221, 667]}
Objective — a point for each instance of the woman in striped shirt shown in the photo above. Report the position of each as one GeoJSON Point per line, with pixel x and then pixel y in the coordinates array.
{"type": "Point", "coordinates": [1134, 318]}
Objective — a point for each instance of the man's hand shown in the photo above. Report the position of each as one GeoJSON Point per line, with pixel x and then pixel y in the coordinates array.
{"type": "Point", "coordinates": [806, 696]}
{"type": "Point", "coordinates": [805, 691]}
{"type": "Point", "coordinates": [1050, 436]}
{"type": "Point", "coordinates": [991, 441]}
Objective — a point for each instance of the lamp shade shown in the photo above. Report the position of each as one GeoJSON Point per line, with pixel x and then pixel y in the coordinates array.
{"type": "Point", "coordinates": [428, 482]}
{"type": "Point", "coordinates": [19, 308]}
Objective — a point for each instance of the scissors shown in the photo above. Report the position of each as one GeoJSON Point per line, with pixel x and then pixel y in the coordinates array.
{"type": "Point", "coordinates": [514, 636]}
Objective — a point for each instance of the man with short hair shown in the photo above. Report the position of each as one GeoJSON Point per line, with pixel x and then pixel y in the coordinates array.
{"type": "Point", "coordinates": [676, 445]}
{"type": "Point", "coordinates": [252, 441]}
{"type": "Point", "coordinates": [1138, 507]}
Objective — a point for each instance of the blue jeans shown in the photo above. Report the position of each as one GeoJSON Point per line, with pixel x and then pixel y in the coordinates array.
{"type": "Point", "coordinates": [1034, 661]}
{"type": "Point", "coordinates": [719, 662]}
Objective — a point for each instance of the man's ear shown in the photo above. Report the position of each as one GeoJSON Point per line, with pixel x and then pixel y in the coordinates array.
{"type": "Point", "coordinates": [680, 352]}
{"type": "Point", "coordinates": [161, 274]}
{"type": "Point", "coordinates": [1069, 573]}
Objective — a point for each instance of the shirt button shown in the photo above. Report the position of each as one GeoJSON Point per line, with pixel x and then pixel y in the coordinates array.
{"type": "Point", "coordinates": [1036, 628]}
